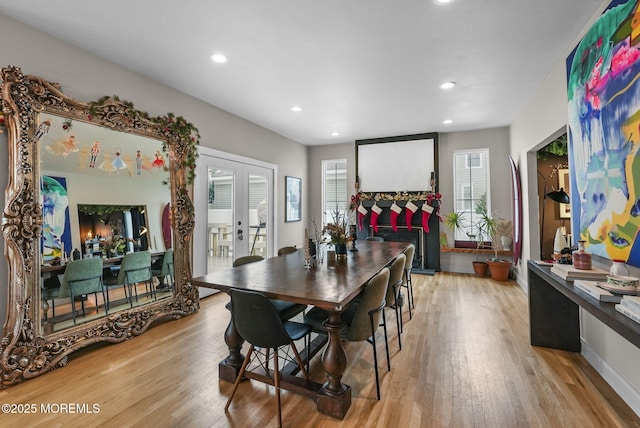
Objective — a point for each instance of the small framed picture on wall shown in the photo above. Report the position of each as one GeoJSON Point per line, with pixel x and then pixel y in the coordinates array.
{"type": "Point", "coordinates": [293, 198]}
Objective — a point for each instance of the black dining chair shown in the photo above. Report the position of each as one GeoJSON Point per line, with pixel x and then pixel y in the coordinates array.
{"type": "Point", "coordinates": [361, 318]}
{"type": "Point", "coordinates": [258, 323]}
{"type": "Point", "coordinates": [287, 310]}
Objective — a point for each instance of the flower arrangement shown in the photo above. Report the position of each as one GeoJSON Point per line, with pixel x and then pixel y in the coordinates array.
{"type": "Point", "coordinates": [337, 230]}
{"type": "Point", "coordinates": [115, 245]}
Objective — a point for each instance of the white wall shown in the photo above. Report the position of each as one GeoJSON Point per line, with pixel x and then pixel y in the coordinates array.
{"type": "Point", "coordinates": [543, 116]}
{"type": "Point", "coordinates": [88, 78]}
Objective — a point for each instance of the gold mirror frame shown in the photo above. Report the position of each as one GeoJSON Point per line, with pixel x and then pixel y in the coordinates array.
{"type": "Point", "coordinates": [26, 351]}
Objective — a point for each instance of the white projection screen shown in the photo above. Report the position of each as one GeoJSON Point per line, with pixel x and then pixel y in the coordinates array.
{"type": "Point", "coordinates": [397, 164]}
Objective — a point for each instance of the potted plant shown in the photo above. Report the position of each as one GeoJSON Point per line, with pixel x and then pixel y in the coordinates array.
{"type": "Point", "coordinates": [456, 220]}
{"type": "Point", "coordinates": [487, 225]}
{"type": "Point", "coordinates": [483, 230]}
{"type": "Point", "coordinates": [499, 269]}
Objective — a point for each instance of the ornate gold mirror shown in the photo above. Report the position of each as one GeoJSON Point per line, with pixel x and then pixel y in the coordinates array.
{"type": "Point", "coordinates": [98, 184]}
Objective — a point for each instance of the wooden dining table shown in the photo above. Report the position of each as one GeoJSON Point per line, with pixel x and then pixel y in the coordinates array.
{"type": "Point", "coordinates": [330, 285]}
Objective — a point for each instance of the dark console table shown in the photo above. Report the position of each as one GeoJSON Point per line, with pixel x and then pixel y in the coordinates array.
{"type": "Point", "coordinates": [554, 312]}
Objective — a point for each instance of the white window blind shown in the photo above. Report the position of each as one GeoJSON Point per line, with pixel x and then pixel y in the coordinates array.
{"type": "Point", "coordinates": [334, 188]}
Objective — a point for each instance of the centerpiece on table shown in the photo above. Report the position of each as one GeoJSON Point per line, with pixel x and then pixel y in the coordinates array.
{"type": "Point", "coordinates": [337, 232]}
{"type": "Point", "coordinates": [114, 246]}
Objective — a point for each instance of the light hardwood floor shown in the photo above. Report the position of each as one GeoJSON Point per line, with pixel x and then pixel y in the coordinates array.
{"type": "Point", "coordinates": [466, 362]}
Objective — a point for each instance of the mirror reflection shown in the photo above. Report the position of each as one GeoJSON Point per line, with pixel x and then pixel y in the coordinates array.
{"type": "Point", "coordinates": [112, 230]}
{"type": "Point", "coordinates": [105, 196]}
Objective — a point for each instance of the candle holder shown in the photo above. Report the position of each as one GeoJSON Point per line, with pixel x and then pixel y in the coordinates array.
{"type": "Point", "coordinates": [354, 236]}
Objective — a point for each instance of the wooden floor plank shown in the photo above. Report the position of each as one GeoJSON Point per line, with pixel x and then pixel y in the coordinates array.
{"type": "Point", "coordinates": [465, 362]}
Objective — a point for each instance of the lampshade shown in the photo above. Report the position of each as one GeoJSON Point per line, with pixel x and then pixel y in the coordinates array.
{"type": "Point", "coordinates": [559, 242]}
{"type": "Point", "coordinates": [558, 196]}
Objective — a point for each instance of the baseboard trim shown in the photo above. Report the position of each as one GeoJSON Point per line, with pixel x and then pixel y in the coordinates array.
{"type": "Point", "coordinates": [617, 382]}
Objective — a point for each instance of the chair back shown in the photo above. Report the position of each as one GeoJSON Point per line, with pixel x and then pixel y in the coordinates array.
{"type": "Point", "coordinates": [373, 301]}
{"type": "Point", "coordinates": [375, 238]}
{"type": "Point", "coordinates": [286, 250]}
{"type": "Point", "coordinates": [85, 276]}
{"type": "Point", "coordinates": [409, 252]}
{"type": "Point", "coordinates": [135, 267]}
{"type": "Point", "coordinates": [396, 272]}
{"type": "Point", "coordinates": [247, 259]}
{"type": "Point", "coordinates": [167, 263]}
{"type": "Point", "coordinates": [257, 320]}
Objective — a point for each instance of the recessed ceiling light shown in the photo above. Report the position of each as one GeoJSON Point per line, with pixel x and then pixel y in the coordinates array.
{"type": "Point", "coordinates": [447, 121]}
{"type": "Point", "coordinates": [219, 58]}
{"type": "Point", "coordinates": [439, 2]}
{"type": "Point", "coordinates": [296, 109]}
{"type": "Point", "coordinates": [447, 85]}
{"type": "Point", "coordinates": [335, 134]}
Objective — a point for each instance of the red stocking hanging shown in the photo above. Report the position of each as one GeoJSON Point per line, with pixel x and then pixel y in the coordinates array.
{"type": "Point", "coordinates": [362, 211]}
{"type": "Point", "coordinates": [426, 212]}
{"type": "Point", "coordinates": [408, 214]}
{"type": "Point", "coordinates": [375, 212]}
{"type": "Point", "coordinates": [395, 210]}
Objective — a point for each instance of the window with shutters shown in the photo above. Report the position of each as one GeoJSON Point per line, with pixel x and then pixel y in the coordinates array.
{"type": "Point", "coordinates": [334, 188]}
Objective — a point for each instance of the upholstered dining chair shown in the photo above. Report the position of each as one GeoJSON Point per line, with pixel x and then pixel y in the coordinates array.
{"type": "Point", "coordinates": [247, 259]}
{"type": "Point", "coordinates": [258, 322]}
{"type": "Point", "coordinates": [81, 278]}
{"type": "Point", "coordinates": [394, 298]}
{"type": "Point", "coordinates": [409, 252]}
{"type": "Point", "coordinates": [375, 238]}
{"type": "Point", "coordinates": [286, 250]}
{"type": "Point", "coordinates": [49, 291]}
{"type": "Point", "coordinates": [287, 310]}
{"type": "Point", "coordinates": [134, 269]}
{"type": "Point", "coordinates": [361, 318]}
{"type": "Point", "coordinates": [165, 272]}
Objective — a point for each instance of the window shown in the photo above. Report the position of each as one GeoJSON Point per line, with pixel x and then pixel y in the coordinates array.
{"type": "Point", "coordinates": [471, 191]}
{"type": "Point", "coordinates": [474, 160]}
{"type": "Point", "coordinates": [334, 188]}
{"type": "Point", "coordinates": [220, 189]}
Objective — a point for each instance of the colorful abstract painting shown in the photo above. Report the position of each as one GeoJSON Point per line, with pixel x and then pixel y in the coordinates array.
{"type": "Point", "coordinates": [56, 231]}
{"type": "Point", "coordinates": [604, 134]}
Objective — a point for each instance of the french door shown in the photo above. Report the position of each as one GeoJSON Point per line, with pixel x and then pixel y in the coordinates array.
{"type": "Point", "coordinates": [234, 210]}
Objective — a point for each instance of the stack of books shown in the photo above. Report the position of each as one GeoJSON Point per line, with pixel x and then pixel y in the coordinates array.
{"type": "Point", "coordinates": [570, 273]}
{"type": "Point", "coordinates": [630, 306]}
{"type": "Point", "coordinates": [594, 289]}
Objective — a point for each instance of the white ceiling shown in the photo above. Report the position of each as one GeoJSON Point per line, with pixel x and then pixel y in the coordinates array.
{"type": "Point", "coordinates": [362, 68]}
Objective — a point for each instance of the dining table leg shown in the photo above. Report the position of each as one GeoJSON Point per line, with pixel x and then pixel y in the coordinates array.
{"type": "Point", "coordinates": [334, 398]}
{"type": "Point", "coordinates": [229, 368]}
